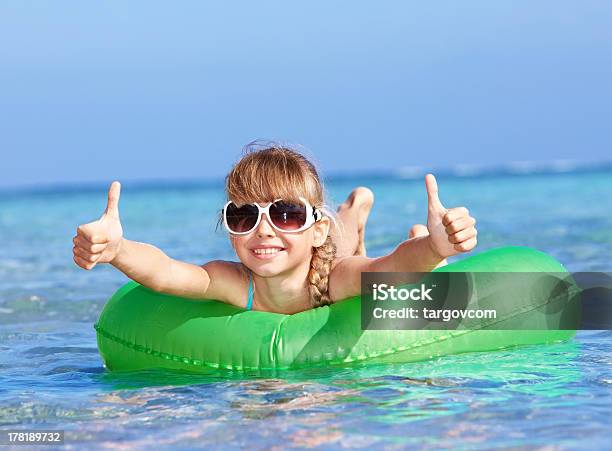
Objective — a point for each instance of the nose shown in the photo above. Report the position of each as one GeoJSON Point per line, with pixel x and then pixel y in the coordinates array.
{"type": "Point", "coordinates": [265, 228]}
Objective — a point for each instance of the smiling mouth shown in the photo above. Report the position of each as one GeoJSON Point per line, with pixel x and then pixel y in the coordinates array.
{"type": "Point", "coordinates": [267, 253]}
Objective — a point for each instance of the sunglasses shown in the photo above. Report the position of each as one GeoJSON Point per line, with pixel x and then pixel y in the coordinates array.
{"type": "Point", "coordinates": [284, 216]}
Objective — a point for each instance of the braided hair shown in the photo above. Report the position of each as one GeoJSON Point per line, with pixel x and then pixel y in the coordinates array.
{"type": "Point", "coordinates": [318, 276]}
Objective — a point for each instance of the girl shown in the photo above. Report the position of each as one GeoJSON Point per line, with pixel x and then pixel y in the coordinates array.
{"type": "Point", "coordinates": [294, 253]}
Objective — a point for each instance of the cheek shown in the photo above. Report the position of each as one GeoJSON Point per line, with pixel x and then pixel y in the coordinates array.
{"type": "Point", "coordinates": [239, 246]}
{"type": "Point", "coordinates": [302, 247]}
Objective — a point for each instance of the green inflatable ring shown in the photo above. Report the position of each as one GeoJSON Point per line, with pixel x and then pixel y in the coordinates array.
{"type": "Point", "coordinates": [140, 329]}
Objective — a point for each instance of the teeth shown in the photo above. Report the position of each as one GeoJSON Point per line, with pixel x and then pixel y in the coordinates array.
{"type": "Point", "coordinates": [267, 251]}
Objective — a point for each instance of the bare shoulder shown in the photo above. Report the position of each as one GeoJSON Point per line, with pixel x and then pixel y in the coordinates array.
{"type": "Point", "coordinates": [227, 280]}
{"type": "Point", "coordinates": [345, 276]}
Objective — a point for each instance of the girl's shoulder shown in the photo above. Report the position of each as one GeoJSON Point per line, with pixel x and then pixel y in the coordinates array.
{"type": "Point", "coordinates": [345, 276]}
{"type": "Point", "coordinates": [228, 281]}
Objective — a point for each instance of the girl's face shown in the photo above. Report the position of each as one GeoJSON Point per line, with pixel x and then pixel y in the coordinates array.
{"type": "Point", "coordinates": [269, 252]}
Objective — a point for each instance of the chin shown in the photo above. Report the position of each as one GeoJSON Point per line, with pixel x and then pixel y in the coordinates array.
{"type": "Point", "coordinates": [268, 268]}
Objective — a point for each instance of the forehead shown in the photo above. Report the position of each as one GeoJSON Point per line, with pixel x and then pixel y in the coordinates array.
{"type": "Point", "coordinates": [265, 203]}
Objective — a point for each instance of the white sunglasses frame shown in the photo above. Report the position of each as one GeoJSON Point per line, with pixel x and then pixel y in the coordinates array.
{"type": "Point", "coordinates": [310, 218]}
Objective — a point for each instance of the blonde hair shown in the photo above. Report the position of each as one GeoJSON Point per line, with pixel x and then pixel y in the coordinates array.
{"type": "Point", "coordinates": [277, 171]}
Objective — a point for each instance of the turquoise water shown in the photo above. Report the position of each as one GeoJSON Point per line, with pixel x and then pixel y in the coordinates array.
{"type": "Point", "coordinates": [51, 375]}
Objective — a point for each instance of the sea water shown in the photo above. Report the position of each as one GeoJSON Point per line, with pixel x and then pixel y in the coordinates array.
{"type": "Point", "coordinates": [51, 375]}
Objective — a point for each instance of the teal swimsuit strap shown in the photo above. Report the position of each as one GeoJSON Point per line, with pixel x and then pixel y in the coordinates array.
{"type": "Point", "coordinates": [250, 301]}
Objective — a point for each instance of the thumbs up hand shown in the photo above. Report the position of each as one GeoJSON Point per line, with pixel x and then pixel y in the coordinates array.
{"type": "Point", "coordinates": [451, 231]}
{"type": "Point", "coordinates": [99, 241]}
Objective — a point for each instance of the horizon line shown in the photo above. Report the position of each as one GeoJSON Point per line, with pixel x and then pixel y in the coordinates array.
{"type": "Point", "coordinates": [463, 171]}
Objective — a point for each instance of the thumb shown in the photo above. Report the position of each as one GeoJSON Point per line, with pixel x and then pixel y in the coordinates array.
{"type": "Point", "coordinates": [433, 201]}
{"type": "Point", "coordinates": [112, 208]}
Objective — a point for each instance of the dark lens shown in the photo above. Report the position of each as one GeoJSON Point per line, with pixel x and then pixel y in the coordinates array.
{"type": "Point", "coordinates": [288, 216]}
{"type": "Point", "coordinates": [241, 219]}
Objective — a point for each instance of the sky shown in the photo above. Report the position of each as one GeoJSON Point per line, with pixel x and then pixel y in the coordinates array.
{"type": "Point", "coordinates": [98, 91]}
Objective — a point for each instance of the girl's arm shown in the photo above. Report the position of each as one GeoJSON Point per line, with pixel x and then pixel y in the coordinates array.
{"type": "Point", "coordinates": [102, 241]}
{"type": "Point", "coordinates": [451, 231]}
{"type": "Point", "coordinates": [413, 255]}
{"type": "Point", "coordinates": [151, 267]}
